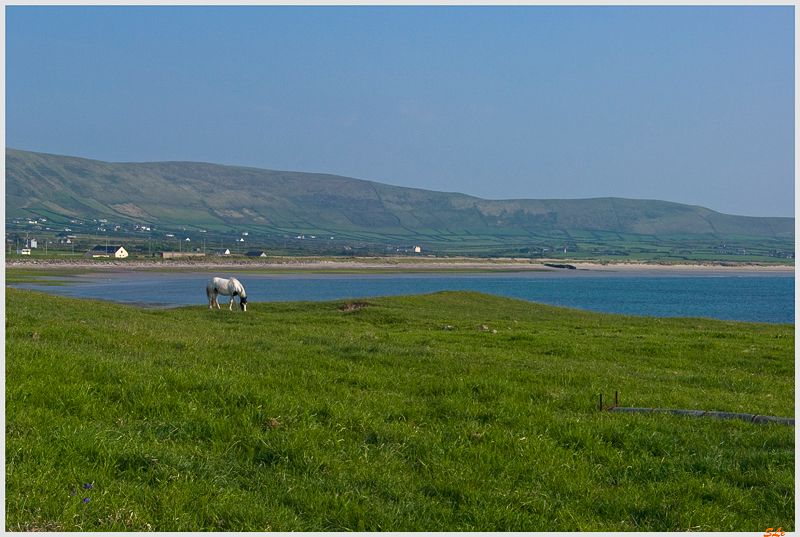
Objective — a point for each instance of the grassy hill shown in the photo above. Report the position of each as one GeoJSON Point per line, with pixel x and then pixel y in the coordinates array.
{"type": "Point", "coordinates": [209, 196]}
{"type": "Point", "coordinates": [367, 415]}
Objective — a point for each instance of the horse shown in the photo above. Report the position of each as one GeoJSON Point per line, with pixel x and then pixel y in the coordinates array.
{"type": "Point", "coordinates": [231, 288]}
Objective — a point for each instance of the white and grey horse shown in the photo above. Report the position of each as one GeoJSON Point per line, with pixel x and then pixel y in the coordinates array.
{"type": "Point", "coordinates": [231, 288]}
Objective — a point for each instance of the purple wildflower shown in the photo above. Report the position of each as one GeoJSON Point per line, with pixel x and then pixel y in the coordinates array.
{"type": "Point", "coordinates": [86, 500]}
{"type": "Point", "coordinates": [88, 486]}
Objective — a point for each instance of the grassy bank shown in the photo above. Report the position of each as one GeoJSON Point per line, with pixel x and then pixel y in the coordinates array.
{"type": "Point", "coordinates": [450, 411]}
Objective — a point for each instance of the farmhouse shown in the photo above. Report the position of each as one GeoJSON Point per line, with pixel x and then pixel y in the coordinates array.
{"type": "Point", "coordinates": [256, 254]}
{"type": "Point", "coordinates": [222, 251]}
{"type": "Point", "coordinates": [107, 251]}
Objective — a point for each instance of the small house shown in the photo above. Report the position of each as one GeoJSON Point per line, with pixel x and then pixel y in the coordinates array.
{"type": "Point", "coordinates": [222, 251]}
{"type": "Point", "coordinates": [107, 251]}
{"type": "Point", "coordinates": [256, 254]}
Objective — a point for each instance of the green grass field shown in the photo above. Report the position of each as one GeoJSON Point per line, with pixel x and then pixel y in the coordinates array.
{"type": "Point", "coordinates": [371, 415]}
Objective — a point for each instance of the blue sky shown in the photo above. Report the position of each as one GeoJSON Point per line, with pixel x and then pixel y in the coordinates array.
{"type": "Point", "coordinates": [680, 103]}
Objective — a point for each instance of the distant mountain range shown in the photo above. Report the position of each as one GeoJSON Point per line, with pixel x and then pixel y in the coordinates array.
{"type": "Point", "coordinates": [215, 197]}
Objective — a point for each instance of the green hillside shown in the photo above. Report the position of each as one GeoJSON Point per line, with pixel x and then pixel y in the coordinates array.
{"type": "Point", "coordinates": [223, 198]}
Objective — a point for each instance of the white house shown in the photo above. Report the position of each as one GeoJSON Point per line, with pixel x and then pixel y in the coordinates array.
{"type": "Point", "coordinates": [107, 251]}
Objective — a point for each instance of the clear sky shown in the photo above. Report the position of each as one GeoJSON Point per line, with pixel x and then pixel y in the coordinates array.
{"type": "Point", "coordinates": [680, 103]}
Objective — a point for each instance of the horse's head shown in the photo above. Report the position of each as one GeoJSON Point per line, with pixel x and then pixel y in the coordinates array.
{"type": "Point", "coordinates": [243, 303]}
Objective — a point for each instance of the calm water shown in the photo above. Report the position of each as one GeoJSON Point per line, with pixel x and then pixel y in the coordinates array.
{"type": "Point", "coordinates": [765, 298]}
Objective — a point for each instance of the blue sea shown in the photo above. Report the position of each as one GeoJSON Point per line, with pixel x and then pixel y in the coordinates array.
{"type": "Point", "coordinates": [755, 297]}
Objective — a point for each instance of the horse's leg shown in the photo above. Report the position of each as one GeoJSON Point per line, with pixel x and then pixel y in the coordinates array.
{"type": "Point", "coordinates": [230, 307]}
{"type": "Point", "coordinates": [216, 298]}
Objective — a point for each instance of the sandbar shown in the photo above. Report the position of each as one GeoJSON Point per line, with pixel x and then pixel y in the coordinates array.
{"type": "Point", "coordinates": [389, 264]}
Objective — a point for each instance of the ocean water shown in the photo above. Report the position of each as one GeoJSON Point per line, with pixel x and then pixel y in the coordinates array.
{"type": "Point", "coordinates": [754, 297]}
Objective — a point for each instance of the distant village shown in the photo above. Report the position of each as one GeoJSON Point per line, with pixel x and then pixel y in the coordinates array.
{"type": "Point", "coordinates": [39, 236]}
{"type": "Point", "coordinates": [68, 236]}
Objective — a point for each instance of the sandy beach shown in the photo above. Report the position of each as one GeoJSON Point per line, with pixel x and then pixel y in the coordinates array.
{"type": "Point", "coordinates": [387, 264]}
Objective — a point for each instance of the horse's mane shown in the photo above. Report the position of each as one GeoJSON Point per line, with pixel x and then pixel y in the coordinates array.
{"type": "Point", "coordinates": [243, 294]}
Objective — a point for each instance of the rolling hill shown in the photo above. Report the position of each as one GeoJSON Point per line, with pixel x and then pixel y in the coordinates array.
{"type": "Point", "coordinates": [216, 197]}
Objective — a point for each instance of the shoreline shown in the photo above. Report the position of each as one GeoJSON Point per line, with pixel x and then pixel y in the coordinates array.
{"type": "Point", "coordinates": [389, 265]}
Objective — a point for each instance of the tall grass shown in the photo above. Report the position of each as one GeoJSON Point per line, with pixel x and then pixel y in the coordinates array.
{"type": "Point", "coordinates": [320, 416]}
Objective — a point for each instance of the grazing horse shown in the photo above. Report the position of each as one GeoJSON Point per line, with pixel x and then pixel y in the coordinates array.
{"type": "Point", "coordinates": [231, 288]}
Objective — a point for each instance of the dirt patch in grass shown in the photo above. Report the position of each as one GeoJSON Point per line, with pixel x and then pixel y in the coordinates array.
{"type": "Point", "coordinates": [352, 306]}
